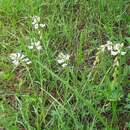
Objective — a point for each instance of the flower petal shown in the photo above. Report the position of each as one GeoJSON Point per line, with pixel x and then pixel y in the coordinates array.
{"type": "Point", "coordinates": [15, 62]}
{"type": "Point", "coordinates": [42, 25]}
{"type": "Point", "coordinates": [36, 26]}
{"type": "Point", "coordinates": [114, 53]}
{"type": "Point", "coordinates": [64, 65]}
{"type": "Point", "coordinates": [60, 61]}
{"type": "Point", "coordinates": [30, 47]}
{"type": "Point", "coordinates": [39, 48]}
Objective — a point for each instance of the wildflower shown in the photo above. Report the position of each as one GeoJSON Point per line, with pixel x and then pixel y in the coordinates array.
{"type": "Point", "coordinates": [18, 58]}
{"type": "Point", "coordinates": [64, 65]}
{"type": "Point", "coordinates": [62, 59]}
{"type": "Point", "coordinates": [36, 19]}
{"type": "Point", "coordinates": [35, 45]}
{"type": "Point", "coordinates": [109, 45]}
{"type": "Point", "coordinates": [117, 49]}
{"type": "Point", "coordinates": [36, 22]}
{"type": "Point", "coordinates": [109, 42]}
{"type": "Point", "coordinates": [36, 26]}
{"type": "Point", "coordinates": [114, 53]}
{"type": "Point", "coordinates": [114, 49]}
{"type": "Point", "coordinates": [42, 25]}
{"type": "Point", "coordinates": [117, 46]}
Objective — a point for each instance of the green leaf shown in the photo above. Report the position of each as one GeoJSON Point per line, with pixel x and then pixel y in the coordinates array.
{"type": "Point", "coordinates": [128, 39]}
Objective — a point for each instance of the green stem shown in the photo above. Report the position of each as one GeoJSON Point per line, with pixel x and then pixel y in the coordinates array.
{"type": "Point", "coordinates": [114, 113]}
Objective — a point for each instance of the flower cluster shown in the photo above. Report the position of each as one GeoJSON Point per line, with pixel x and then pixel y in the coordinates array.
{"type": "Point", "coordinates": [18, 58]}
{"type": "Point", "coordinates": [36, 22]}
{"type": "Point", "coordinates": [114, 49]}
{"type": "Point", "coordinates": [62, 59]}
{"type": "Point", "coordinates": [35, 45]}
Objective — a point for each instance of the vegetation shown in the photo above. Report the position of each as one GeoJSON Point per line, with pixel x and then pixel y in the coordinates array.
{"type": "Point", "coordinates": [64, 64]}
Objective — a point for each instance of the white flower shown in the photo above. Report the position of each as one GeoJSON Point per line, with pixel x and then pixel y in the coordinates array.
{"type": "Point", "coordinates": [64, 65]}
{"type": "Point", "coordinates": [19, 57]}
{"type": "Point", "coordinates": [42, 25]}
{"type": "Point", "coordinates": [113, 49]}
{"type": "Point", "coordinates": [35, 26]}
{"type": "Point", "coordinates": [114, 53]}
{"type": "Point", "coordinates": [109, 42]}
{"type": "Point", "coordinates": [35, 19]}
{"type": "Point", "coordinates": [36, 22]}
{"type": "Point", "coordinates": [109, 48]}
{"type": "Point", "coordinates": [109, 45]}
{"type": "Point", "coordinates": [62, 59]}
{"type": "Point", "coordinates": [35, 45]}
{"type": "Point", "coordinates": [117, 46]}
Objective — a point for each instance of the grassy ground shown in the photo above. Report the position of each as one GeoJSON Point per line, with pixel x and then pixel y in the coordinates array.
{"type": "Point", "coordinates": [92, 92]}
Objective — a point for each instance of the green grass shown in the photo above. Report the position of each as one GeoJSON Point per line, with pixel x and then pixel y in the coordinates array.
{"type": "Point", "coordinates": [44, 95]}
